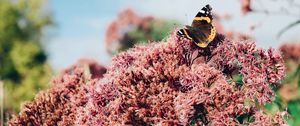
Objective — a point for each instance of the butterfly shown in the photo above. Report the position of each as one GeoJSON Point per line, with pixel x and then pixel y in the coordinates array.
{"type": "Point", "coordinates": [201, 32]}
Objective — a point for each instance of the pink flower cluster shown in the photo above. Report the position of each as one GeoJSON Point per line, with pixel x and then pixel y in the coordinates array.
{"type": "Point", "coordinates": [170, 83]}
{"type": "Point", "coordinates": [291, 51]}
{"type": "Point", "coordinates": [58, 105]}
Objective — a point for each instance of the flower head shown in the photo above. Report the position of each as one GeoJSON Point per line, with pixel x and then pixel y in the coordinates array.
{"type": "Point", "coordinates": [168, 83]}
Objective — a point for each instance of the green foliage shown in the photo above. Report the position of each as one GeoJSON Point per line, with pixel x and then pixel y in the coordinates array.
{"type": "Point", "coordinates": [292, 105]}
{"type": "Point", "coordinates": [238, 79]}
{"type": "Point", "coordinates": [161, 28]}
{"type": "Point", "coordinates": [23, 69]}
{"type": "Point", "coordinates": [199, 115]}
{"type": "Point", "coordinates": [158, 30]}
{"type": "Point", "coordinates": [245, 118]}
{"type": "Point", "coordinates": [294, 110]}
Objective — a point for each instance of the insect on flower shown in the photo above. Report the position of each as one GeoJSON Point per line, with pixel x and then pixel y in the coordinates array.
{"type": "Point", "coordinates": [201, 32]}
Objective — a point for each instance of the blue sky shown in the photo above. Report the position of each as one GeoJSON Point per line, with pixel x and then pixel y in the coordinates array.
{"type": "Point", "coordinates": [80, 25]}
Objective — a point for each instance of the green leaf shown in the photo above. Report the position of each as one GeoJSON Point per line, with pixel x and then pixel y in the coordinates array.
{"type": "Point", "coordinates": [238, 79]}
{"type": "Point", "coordinates": [294, 109]}
{"type": "Point", "coordinates": [244, 118]}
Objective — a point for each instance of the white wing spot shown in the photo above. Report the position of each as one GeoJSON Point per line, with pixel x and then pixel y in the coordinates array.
{"type": "Point", "coordinates": [202, 11]}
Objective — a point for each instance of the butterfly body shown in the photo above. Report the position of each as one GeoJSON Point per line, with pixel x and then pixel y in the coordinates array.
{"type": "Point", "coordinates": [201, 32]}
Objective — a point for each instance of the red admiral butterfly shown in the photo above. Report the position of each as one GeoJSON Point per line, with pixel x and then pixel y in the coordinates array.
{"type": "Point", "coordinates": [201, 32]}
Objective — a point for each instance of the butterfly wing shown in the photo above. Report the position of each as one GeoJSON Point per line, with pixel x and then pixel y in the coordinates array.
{"type": "Point", "coordinates": [202, 20]}
{"type": "Point", "coordinates": [204, 16]}
{"type": "Point", "coordinates": [202, 34]}
{"type": "Point", "coordinates": [202, 29]}
{"type": "Point", "coordinates": [185, 33]}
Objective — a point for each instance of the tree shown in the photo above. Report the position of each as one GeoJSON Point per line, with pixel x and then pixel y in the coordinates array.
{"type": "Point", "coordinates": [23, 69]}
{"type": "Point", "coordinates": [130, 29]}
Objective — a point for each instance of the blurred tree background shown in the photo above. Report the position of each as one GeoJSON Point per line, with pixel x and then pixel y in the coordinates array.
{"type": "Point", "coordinates": [24, 68]}
{"type": "Point", "coordinates": [129, 29]}
{"type": "Point", "coordinates": [23, 62]}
